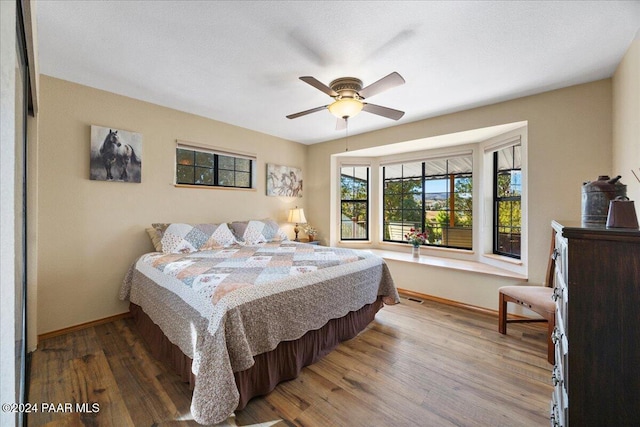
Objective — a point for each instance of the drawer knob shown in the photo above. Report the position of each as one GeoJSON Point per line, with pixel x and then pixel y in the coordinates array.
{"type": "Point", "coordinates": [555, 376]}
{"type": "Point", "coordinates": [556, 335]}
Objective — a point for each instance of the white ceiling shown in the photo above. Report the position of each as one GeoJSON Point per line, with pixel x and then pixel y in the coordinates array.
{"type": "Point", "coordinates": [239, 62]}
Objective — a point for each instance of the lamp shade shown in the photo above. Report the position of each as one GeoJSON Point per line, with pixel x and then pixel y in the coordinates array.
{"type": "Point", "coordinates": [297, 215]}
{"type": "Point", "coordinates": [345, 107]}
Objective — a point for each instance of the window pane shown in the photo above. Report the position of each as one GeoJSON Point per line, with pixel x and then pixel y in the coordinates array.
{"type": "Point", "coordinates": [463, 202]}
{"type": "Point", "coordinates": [410, 170]}
{"type": "Point", "coordinates": [392, 171]}
{"type": "Point", "coordinates": [204, 176]}
{"type": "Point", "coordinates": [434, 232]}
{"type": "Point", "coordinates": [204, 159]}
{"type": "Point", "coordinates": [413, 218]}
{"type": "Point", "coordinates": [185, 174]}
{"type": "Point", "coordinates": [243, 165]}
{"type": "Point", "coordinates": [509, 214]}
{"type": "Point", "coordinates": [435, 167]}
{"type": "Point", "coordinates": [226, 162]}
{"type": "Point", "coordinates": [436, 188]}
{"type": "Point", "coordinates": [354, 183]}
{"type": "Point", "coordinates": [353, 230]}
{"type": "Point", "coordinates": [509, 241]}
{"type": "Point", "coordinates": [393, 187]}
{"type": "Point", "coordinates": [392, 215]}
{"type": "Point", "coordinates": [412, 185]}
{"type": "Point", "coordinates": [226, 178]}
{"type": "Point", "coordinates": [185, 157]}
{"type": "Point", "coordinates": [412, 201]}
{"type": "Point", "coordinates": [356, 211]}
{"type": "Point", "coordinates": [517, 157]}
{"type": "Point", "coordinates": [243, 179]}
{"type": "Point", "coordinates": [459, 165]}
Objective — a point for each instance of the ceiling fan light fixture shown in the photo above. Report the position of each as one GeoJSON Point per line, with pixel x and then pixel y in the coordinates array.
{"type": "Point", "coordinates": [345, 107]}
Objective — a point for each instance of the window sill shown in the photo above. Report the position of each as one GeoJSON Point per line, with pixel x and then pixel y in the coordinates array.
{"type": "Point", "coordinates": [453, 264]}
{"type": "Point", "coordinates": [502, 258]}
{"type": "Point", "coordinates": [404, 246]}
{"type": "Point", "coordinates": [213, 187]}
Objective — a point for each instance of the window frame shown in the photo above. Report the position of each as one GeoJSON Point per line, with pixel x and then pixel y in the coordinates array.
{"type": "Point", "coordinates": [424, 223]}
{"type": "Point", "coordinates": [497, 199]}
{"type": "Point", "coordinates": [215, 168]}
{"type": "Point", "coordinates": [349, 201]}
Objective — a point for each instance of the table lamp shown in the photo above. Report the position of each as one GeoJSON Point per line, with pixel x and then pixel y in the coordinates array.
{"type": "Point", "coordinates": [296, 216]}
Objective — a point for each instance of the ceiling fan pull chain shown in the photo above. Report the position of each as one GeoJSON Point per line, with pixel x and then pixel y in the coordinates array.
{"type": "Point", "coordinates": [346, 124]}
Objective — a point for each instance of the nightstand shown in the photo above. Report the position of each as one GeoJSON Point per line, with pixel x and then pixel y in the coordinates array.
{"type": "Point", "coordinates": [315, 242]}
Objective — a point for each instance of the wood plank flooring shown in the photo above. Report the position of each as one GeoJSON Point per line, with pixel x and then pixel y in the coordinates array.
{"type": "Point", "coordinates": [416, 365]}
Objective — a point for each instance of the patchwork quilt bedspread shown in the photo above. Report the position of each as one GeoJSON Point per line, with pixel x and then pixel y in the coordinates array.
{"type": "Point", "coordinates": [225, 306]}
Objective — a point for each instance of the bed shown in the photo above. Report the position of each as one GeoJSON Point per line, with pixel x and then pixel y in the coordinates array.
{"type": "Point", "coordinates": [237, 315]}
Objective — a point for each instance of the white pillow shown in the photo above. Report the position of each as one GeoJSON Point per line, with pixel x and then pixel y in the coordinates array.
{"type": "Point", "coordinates": [187, 238]}
{"type": "Point", "coordinates": [254, 232]}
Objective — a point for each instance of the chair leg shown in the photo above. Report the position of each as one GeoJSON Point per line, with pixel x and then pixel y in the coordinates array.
{"type": "Point", "coordinates": [502, 314]}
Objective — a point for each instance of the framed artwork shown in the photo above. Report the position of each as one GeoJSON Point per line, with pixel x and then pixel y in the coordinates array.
{"type": "Point", "coordinates": [116, 155]}
{"type": "Point", "coordinates": [284, 181]}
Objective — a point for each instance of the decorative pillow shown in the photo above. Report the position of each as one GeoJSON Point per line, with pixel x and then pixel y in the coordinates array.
{"type": "Point", "coordinates": [254, 232]}
{"type": "Point", "coordinates": [155, 239]}
{"type": "Point", "coordinates": [273, 232]}
{"type": "Point", "coordinates": [160, 228]}
{"type": "Point", "coordinates": [187, 238]}
{"type": "Point", "coordinates": [238, 228]}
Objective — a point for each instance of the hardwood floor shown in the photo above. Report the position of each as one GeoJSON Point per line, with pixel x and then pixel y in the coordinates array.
{"type": "Point", "coordinates": [416, 365]}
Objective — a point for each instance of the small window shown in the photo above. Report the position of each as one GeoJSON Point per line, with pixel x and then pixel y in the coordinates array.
{"type": "Point", "coordinates": [199, 166]}
{"type": "Point", "coordinates": [507, 194]}
{"type": "Point", "coordinates": [354, 203]}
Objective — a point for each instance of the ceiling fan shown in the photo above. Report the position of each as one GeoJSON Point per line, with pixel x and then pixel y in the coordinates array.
{"type": "Point", "coordinates": [349, 96]}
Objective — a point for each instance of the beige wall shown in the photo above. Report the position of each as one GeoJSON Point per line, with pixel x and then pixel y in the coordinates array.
{"type": "Point", "coordinates": [569, 141]}
{"type": "Point", "coordinates": [626, 121]}
{"type": "Point", "coordinates": [89, 232]}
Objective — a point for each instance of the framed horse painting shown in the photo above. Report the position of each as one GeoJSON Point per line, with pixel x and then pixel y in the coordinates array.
{"type": "Point", "coordinates": [116, 155]}
{"type": "Point", "coordinates": [284, 181]}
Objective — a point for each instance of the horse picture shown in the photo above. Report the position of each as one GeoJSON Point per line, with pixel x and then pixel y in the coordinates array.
{"type": "Point", "coordinates": [115, 155]}
{"type": "Point", "coordinates": [284, 181]}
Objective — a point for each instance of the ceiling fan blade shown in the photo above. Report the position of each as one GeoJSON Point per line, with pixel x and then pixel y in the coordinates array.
{"type": "Point", "coordinates": [341, 124]}
{"type": "Point", "coordinates": [387, 82]}
{"type": "Point", "coordinates": [387, 112]}
{"type": "Point", "coordinates": [304, 113]}
{"type": "Point", "coordinates": [319, 85]}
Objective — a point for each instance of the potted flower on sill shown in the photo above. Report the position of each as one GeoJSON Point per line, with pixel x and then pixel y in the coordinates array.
{"type": "Point", "coordinates": [416, 239]}
{"type": "Point", "coordinates": [310, 231]}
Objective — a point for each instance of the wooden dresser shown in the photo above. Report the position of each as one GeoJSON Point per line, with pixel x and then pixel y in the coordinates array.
{"type": "Point", "coordinates": [597, 338]}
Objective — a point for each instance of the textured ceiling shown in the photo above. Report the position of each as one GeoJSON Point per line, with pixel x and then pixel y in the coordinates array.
{"type": "Point", "coordinates": [239, 62]}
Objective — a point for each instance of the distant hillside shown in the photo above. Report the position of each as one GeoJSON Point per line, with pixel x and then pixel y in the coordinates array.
{"type": "Point", "coordinates": [436, 196]}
